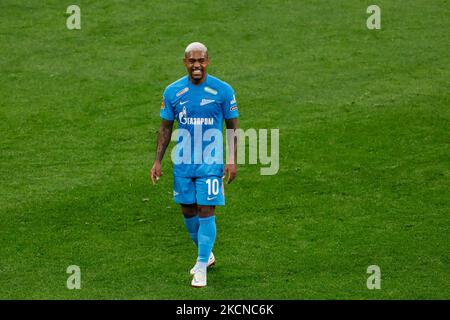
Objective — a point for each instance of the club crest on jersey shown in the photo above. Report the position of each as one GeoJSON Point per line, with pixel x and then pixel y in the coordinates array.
{"type": "Point", "coordinates": [163, 105]}
{"type": "Point", "coordinates": [206, 101]}
{"type": "Point", "coordinates": [233, 108]}
{"type": "Point", "coordinates": [211, 90]}
{"type": "Point", "coordinates": [179, 93]}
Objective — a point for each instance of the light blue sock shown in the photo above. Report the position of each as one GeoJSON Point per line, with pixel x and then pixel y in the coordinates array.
{"type": "Point", "coordinates": [192, 225]}
{"type": "Point", "coordinates": [206, 237]}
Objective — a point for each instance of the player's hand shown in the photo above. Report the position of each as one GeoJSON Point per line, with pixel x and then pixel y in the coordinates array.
{"type": "Point", "coordinates": [155, 172]}
{"type": "Point", "coordinates": [230, 172]}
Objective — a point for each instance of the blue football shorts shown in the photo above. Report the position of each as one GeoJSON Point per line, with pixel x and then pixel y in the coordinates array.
{"type": "Point", "coordinates": [205, 191]}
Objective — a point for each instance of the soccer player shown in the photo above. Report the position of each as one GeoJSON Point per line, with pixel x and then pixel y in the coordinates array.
{"type": "Point", "coordinates": [198, 101]}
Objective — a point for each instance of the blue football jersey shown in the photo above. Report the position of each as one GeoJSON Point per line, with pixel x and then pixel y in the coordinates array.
{"type": "Point", "coordinates": [198, 108]}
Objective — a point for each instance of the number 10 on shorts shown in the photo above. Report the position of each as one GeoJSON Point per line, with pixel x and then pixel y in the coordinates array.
{"type": "Point", "coordinates": [210, 192]}
{"type": "Point", "coordinates": [213, 186]}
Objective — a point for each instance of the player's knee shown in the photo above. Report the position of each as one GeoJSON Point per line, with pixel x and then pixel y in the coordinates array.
{"type": "Point", "coordinates": [205, 211]}
{"type": "Point", "coordinates": [189, 210]}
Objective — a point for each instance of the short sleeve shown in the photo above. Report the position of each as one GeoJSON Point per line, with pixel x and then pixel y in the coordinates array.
{"type": "Point", "coordinates": [166, 111]}
{"type": "Point", "coordinates": [230, 108]}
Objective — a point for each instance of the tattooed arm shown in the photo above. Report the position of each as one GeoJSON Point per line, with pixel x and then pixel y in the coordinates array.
{"type": "Point", "coordinates": [165, 132]}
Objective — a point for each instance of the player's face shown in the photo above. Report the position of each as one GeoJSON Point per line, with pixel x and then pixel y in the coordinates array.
{"type": "Point", "coordinates": [196, 63]}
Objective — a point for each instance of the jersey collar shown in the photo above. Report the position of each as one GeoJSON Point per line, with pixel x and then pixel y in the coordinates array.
{"type": "Point", "coordinates": [201, 85]}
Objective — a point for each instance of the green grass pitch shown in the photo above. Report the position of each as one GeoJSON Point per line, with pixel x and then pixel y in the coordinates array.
{"type": "Point", "coordinates": [364, 149]}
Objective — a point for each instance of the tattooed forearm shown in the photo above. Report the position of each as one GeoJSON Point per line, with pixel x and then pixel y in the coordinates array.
{"type": "Point", "coordinates": [165, 132]}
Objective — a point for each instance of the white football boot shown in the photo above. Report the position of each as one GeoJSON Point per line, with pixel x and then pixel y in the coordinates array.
{"type": "Point", "coordinates": [211, 262]}
{"type": "Point", "coordinates": [199, 278]}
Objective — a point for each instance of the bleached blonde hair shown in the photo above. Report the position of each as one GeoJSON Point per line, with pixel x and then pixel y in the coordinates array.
{"type": "Point", "coordinates": [196, 46]}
